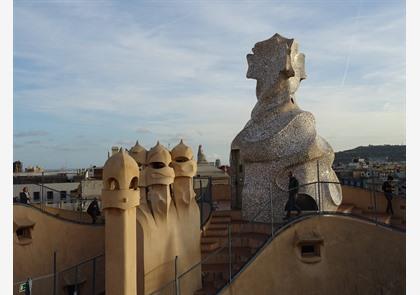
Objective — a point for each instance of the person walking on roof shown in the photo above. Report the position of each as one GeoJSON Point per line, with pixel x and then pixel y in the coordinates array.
{"type": "Point", "coordinates": [387, 188]}
{"type": "Point", "coordinates": [293, 190]}
{"type": "Point", "coordinates": [93, 210]}
{"type": "Point", "coordinates": [24, 196]}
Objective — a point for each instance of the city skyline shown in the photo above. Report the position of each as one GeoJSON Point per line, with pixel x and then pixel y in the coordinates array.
{"type": "Point", "coordinates": [94, 74]}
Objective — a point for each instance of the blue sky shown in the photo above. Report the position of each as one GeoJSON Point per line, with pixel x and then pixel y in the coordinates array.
{"type": "Point", "coordinates": [92, 74]}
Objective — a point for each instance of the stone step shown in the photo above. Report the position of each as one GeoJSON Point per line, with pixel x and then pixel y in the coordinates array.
{"type": "Point", "coordinates": [216, 232]}
{"type": "Point", "coordinates": [249, 239]}
{"type": "Point", "coordinates": [209, 246]}
{"type": "Point", "coordinates": [221, 213]}
{"type": "Point", "coordinates": [220, 219]}
{"type": "Point", "coordinates": [205, 239]}
{"type": "Point", "coordinates": [233, 214]}
{"type": "Point", "coordinates": [263, 228]}
{"type": "Point", "coordinates": [252, 240]}
{"type": "Point", "coordinates": [218, 226]}
{"type": "Point", "coordinates": [236, 215]}
{"type": "Point", "coordinates": [239, 255]}
{"type": "Point", "coordinates": [221, 204]}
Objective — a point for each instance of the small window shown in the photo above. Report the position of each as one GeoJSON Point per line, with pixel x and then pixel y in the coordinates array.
{"type": "Point", "coordinates": [50, 195]}
{"type": "Point", "coordinates": [36, 196]}
{"type": "Point", "coordinates": [240, 168]}
{"type": "Point", "coordinates": [63, 195]}
{"type": "Point", "coordinates": [310, 251]}
{"type": "Point", "coordinates": [307, 250]}
{"type": "Point", "coordinates": [24, 234]}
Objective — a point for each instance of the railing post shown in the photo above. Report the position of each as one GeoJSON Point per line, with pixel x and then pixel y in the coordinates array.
{"type": "Point", "coordinates": [176, 276]}
{"type": "Point", "coordinates": [230, 252]}
{"type": "Point", "coordinates": [42, 191]}
{"type": "Point", "coordinates": [319, 189]}
{"type": "Point", "coordinates": [93, 276]}
{"type": "Point", "coordinates": [55, 273]}
{"type": "Point", "coordinates": [201, 204]}
{"type": "Point", "coordinates": [80, 212]}
{"type": "Point", "coordinates": [76, 285]}
{"type": "Point", "coordinates": [210, 184]}
{"type": "Point", "coordinates": [374, 199]}
{"type": "Point", "coordinates": [272, 212]}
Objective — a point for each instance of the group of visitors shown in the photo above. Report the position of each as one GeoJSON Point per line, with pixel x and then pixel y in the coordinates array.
{"type": "Point", "coordinates": [293, 190]}
{"type": "Point", "coordinates": [93, 209]}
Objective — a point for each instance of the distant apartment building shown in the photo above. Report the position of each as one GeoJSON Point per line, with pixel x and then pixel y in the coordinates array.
{"type": "Point", "coordinates": [372, 174]}
{"type": "Point", "coordinates": [49, 187]}
{"type": "Point", "coordinates": [17, 167]}
{"type": "Point", "coordinates": [34, 169]}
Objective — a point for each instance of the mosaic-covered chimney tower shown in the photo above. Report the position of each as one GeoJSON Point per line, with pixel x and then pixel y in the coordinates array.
{"type": "Point", "coordinates": [279, 137]}
{"type": "Point", "coordinates": [120, 198]}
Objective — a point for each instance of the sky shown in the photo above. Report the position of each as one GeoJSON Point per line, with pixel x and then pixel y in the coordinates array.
{"type": "Point", "coordinates": [89, 75]}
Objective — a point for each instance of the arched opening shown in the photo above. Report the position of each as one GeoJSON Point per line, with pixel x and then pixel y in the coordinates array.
{"type": "Point", "coordinates": [134, 183]}
{"type": "Point", "coordinates": [113, 184]}
{"type": "Point", "coordinates": [305, 203]}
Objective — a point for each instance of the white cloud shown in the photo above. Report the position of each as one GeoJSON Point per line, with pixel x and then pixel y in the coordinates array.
{"type": "Point", "coordinates": [181, 73]}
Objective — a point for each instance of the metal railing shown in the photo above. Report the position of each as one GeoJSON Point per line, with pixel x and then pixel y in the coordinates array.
{"type": "Point", "coordinates": [243, 240]}
{"type": "Point", "coordinates": [374, 183]}
{"type": "Point", "coordinates": [204, 197]}
{"type": "Point", "coordinates": [86, 277]}
{"type": "Point", "coordinates": [72, 209]}
{"type": "Point", "coordinates": [204, 200]}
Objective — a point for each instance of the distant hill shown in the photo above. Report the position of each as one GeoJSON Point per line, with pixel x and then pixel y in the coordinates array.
{"type": "Point", "coordinates": [372, 152]}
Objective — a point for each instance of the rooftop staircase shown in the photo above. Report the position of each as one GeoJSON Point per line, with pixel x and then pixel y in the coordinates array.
{"type": "Point", "coordinates": [246, 239]}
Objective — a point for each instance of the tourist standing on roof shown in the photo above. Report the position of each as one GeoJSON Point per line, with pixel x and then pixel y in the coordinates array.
{"type": "Point", "coordinates": [293, 190]}
{"type": "Point", "coordinates": [24, 196]}
{"type": "Point", "coordinates": [387, 188]}
{"type": "Point", "coordinates": [93, 210]}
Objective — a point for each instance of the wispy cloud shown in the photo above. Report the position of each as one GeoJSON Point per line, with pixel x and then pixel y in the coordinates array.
{"type": "Point", "coordinates": [143, 130]}
{"type": "Point", "coordinates": [33, 133]}
{"type": "Point", "coordinates": [33, 142]}
{"type": "Point", "coordinates": [171, 71]}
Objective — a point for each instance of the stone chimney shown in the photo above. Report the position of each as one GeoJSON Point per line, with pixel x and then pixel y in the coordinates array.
{"type": "Point", "coordinates": [120, 197]}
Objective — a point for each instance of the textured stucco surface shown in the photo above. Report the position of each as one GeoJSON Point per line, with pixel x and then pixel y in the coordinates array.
{"type": "Point", "coordinates": [73, 243]}
{"type": "Point", "coordinates": [357, 258]}
{"type": "Point", "coordinates": [168, 223]}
